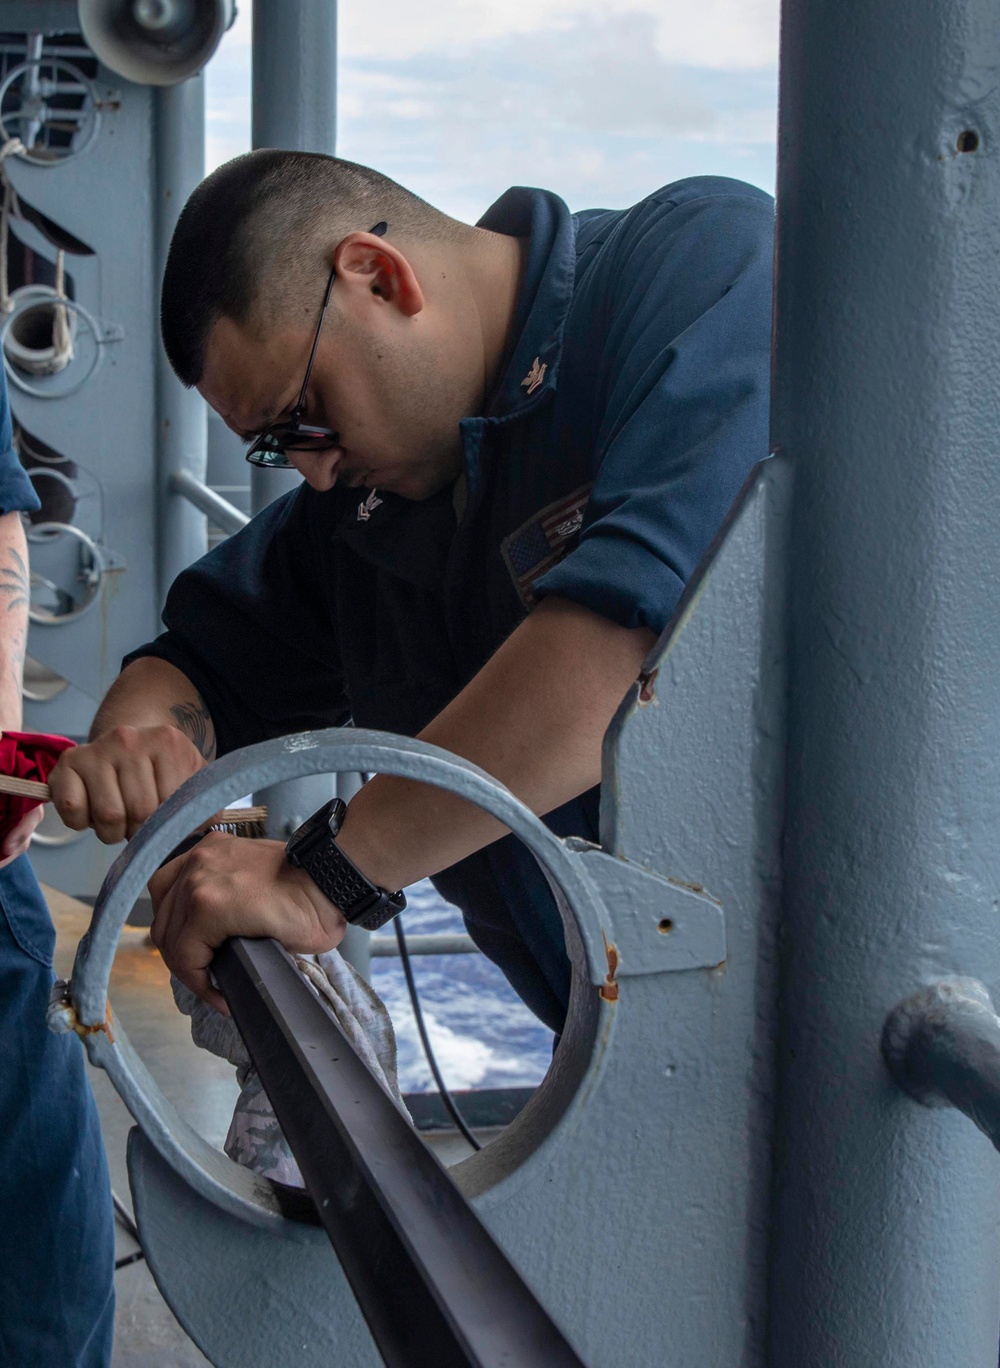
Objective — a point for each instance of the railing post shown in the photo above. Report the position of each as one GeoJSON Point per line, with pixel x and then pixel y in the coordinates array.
{"type": "Point", "coordinates": [886, 1229]}
{"type": "Point", "coordinates": [182, 418]}
{"type": "Point", "coordinates": [294, 106]}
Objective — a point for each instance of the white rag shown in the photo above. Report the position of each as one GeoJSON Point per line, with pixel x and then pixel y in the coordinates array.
{"type": "Point", "coordinates": [255, 1139]}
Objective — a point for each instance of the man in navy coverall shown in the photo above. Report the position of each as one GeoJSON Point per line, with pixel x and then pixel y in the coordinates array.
{"type": "Point", "coordinates": [517, 441]}
{"type": "Point", "coordinates": [56, 1234]}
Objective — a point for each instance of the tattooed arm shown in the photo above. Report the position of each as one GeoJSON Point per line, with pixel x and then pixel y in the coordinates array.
{"type": "Point", "coordinates": [194, 721]}
{"type": "Point", "coordinates": [151, 733]}
{"type": "Point", "coordinates": [14, 590]}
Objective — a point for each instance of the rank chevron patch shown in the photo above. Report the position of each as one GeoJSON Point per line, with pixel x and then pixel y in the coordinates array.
{"type": "Point", "coordinates": [368, 506]}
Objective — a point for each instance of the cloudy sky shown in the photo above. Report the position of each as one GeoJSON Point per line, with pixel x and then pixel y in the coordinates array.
{"type": "Point", "coordinates": [600, 100]}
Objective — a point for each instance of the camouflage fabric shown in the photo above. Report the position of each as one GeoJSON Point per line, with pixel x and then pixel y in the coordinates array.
{"type": "Point", "coordinates": [255, 1139]}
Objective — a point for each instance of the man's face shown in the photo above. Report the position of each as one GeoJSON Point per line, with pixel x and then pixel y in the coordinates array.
{"type": "Point", "coordinates": [392, 387]}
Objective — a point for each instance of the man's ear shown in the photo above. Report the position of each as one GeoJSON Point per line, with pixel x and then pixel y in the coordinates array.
{"type": "Point", "coordinates": [364, 261]}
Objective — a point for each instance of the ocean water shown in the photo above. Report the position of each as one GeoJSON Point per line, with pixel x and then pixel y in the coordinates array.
{"type": "Point", "coordinates": [482, 1034]}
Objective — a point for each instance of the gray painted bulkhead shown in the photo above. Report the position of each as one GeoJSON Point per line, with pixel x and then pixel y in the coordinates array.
{"type": "Point", "coordinates": [105, 197]}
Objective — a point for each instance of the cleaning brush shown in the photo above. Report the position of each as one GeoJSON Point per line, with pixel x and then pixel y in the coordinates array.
{"type": "Point", "coordinates": [246, 822]}
{"type": "Point", "coordinates": [241, 821]}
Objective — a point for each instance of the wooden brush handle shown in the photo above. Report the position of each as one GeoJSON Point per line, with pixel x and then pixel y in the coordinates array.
{"type": "Point", "coordinates": [249, 816]}
{"type": "Point", "coordinates": [31, 788]}
{"type": "Point", "coordinates": [24, 788]}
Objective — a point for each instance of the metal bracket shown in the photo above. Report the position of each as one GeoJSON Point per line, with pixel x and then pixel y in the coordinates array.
{"type": "Point", "coordinates": [942, 1046]}
{"type": "Point", "coordinates": [654, 925]}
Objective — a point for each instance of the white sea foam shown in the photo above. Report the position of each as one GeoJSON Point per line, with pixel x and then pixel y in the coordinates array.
{"type": "Point", "coordinates": [481, 1033]}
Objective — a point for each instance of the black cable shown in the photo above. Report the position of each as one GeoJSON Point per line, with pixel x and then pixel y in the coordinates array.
{"type": "Point", "coordinates": [124, 1218]}
{"type": "Point", "coordinates": [446, 1096]}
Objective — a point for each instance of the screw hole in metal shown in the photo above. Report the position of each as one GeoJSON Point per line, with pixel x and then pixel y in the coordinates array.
{"type": "Point", "coordinates": [665, 926]}
{"type": "Point", "coordinates": [968, 140]}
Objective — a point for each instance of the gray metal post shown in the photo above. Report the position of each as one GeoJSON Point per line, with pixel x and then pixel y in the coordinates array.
{"type": "Point", "coordinates": [886, 1231]}
{"type": "Point", "coordinates": [294, 107]}
{"type": "Point", "coordinates": [295, 74]}
{"type": "Point", "coordinates": [357, 943]}
{"type": "Point", "coordinates": [182, 418]}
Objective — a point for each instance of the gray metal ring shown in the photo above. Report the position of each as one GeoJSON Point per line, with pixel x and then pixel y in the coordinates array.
{"type": "Point", "coordinates": [42, 532]}
{"type": "Point", "coordinates": [64, 838]}
{"type": "Point", "coordinates": [39, 683]}
{"type": "Point", "coordinates": [52, 392]}
{"type": "Point", "coordinates": [91, 105]}
{"type": "Point", "coordinates": [227, 1185]}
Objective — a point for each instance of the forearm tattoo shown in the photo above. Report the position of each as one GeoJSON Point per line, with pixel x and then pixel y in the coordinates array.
{"type": "Point", "coordinates": [15, 587]}
{"type": "Point", "coordinates": [195, 721]}
{"type": "Point", "coordinates": [15, 592]}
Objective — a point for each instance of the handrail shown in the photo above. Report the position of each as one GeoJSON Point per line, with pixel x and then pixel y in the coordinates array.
{"type": "Point", "coordinates": [431, 943]}
{"type": "Point", "coordinates": [226, 515]}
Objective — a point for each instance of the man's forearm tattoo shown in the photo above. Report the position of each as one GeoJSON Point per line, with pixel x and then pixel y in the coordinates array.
{"type": "Point", "coordinates": [195, 721]}
{"type": "Point", "coordinates": [15, 591]}
{"type": "Point", "coordinates": [15, 586]}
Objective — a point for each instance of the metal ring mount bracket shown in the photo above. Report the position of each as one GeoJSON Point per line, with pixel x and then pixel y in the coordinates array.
{"type": "Point", "coordinates": [55, 840]}
{"type": "Point", "coordinates": [22, 351]}
{"type": "Point", "coordinates": [577, 873]}
{"type": "Point", "coordinates": [43, 531]}
{"type": "Point", "coordinates": [34, 107]}
{"type": "Point", "coordinates": [40, 684]}
{"type": "Point", "coordinates": [101, 335]}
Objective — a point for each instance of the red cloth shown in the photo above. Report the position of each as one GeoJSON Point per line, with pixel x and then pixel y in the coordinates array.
{"type": "Point", "coordinates": [26, 755]}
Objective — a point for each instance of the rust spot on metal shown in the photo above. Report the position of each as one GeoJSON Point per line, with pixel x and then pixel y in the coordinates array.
{"type": "Point", "coordinates": [646, 683]}
{"type": "Point", "coordinates": [105, 1026]}
{"type": "Point", "coordinates": [609, 988]}
{"type": "Point", "coordinates": [698, 888]}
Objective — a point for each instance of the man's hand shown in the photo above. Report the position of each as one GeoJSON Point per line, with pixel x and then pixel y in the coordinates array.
{"type": "Point", "coordinates": [16, 841]}
{"type": "Point", "coordinates": [228, 886]}
{"type": "Point", "coordinates": [115, 782]}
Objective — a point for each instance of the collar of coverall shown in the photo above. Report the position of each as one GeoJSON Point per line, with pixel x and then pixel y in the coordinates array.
{"type": "Point", "coordinates": [532, 367]}
{"type": "Point", "coordinates": [412, 540]}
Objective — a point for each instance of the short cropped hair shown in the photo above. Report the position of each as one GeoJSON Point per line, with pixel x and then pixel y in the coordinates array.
{"type": "Point", "coordinates": [268, 218]}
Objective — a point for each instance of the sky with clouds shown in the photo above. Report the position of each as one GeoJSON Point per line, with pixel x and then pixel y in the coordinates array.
{"type": "Point", "coordinates": [599, 100]}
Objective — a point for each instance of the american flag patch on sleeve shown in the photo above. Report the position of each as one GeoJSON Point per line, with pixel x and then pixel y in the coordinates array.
{"type": "Point", "coordinates": [543, 541]}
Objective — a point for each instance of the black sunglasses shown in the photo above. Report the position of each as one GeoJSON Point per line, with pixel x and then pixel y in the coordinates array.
{"type": "Point", "coordinates": [269, 448]}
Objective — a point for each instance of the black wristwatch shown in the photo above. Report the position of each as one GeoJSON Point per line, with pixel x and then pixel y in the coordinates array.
{"type": "Point", "coordinates": [313, 847]}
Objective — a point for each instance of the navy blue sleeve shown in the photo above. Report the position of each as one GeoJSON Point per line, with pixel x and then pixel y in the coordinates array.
{"type": "Point", "coordinates": [17, 493]}
{"type": "Point", "coordinates": [250, 627]}
{"type": "Point", "coordinates": [683, 384]}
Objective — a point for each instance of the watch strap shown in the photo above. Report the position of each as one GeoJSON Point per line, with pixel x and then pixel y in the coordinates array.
{"type": "Point", "coordinates": [338, 878]}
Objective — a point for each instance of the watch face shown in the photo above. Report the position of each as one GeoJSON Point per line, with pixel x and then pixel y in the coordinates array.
{"type": "Point", "coordinates": [333, 813]}
{"type": "Point", "coordinates": [325, 822]}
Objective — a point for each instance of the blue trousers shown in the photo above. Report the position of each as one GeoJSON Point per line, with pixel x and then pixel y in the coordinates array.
{"type": "Point", "coordinates": [56, 1225]}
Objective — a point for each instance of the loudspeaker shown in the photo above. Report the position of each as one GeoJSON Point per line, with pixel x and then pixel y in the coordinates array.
{"type": "Point", "coordinates": [155, 42]}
